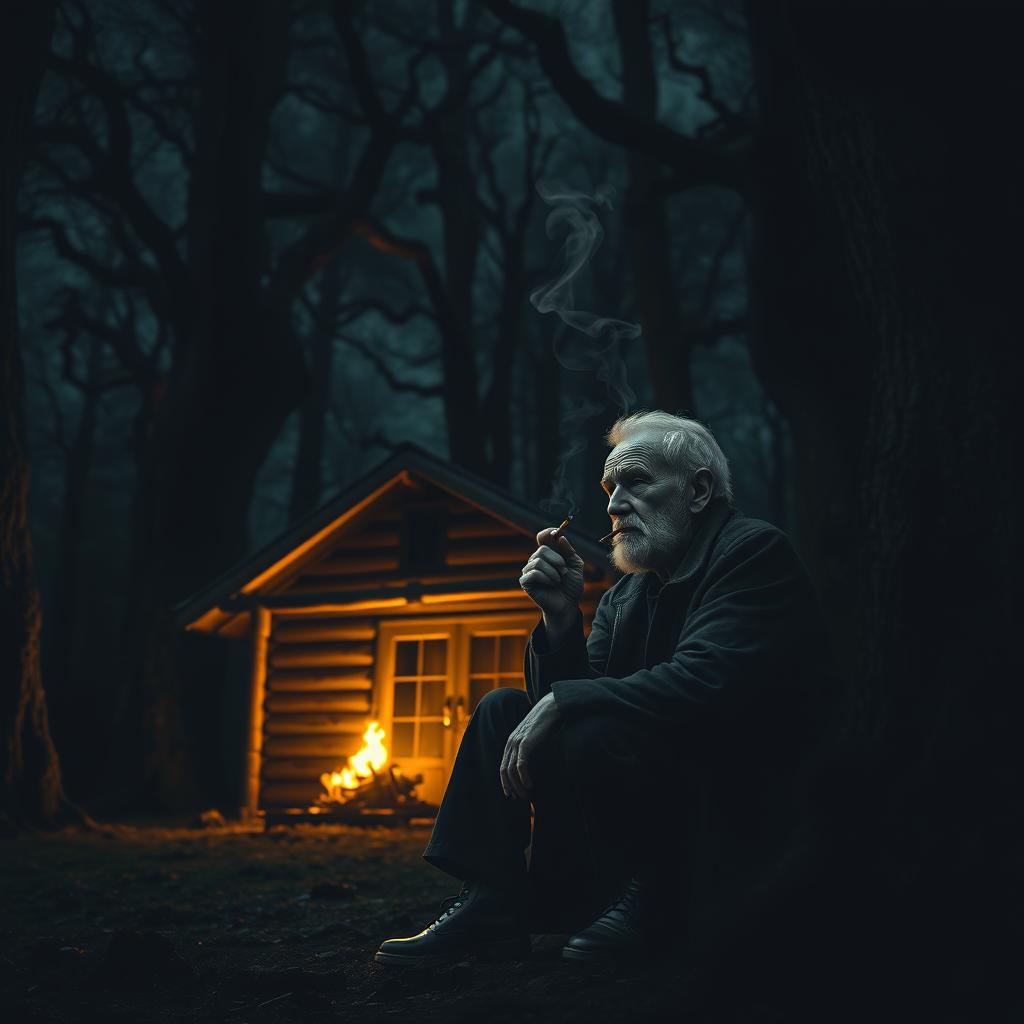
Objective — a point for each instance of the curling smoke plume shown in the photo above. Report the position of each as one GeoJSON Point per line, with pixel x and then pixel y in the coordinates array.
{"type": "Point", "coordinates": [599, 350]}
{"type": "Point", "coordinates": [594, 341]}
{"type": "Point", "coordinates": [574, 441]}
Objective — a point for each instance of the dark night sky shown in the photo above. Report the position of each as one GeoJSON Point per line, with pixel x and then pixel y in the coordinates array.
{"type": "Point", "coordinates": [307, 149]}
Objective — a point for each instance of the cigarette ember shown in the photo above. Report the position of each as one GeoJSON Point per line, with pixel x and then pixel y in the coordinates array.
{"type": "Point", "coordinates": [565, 522]}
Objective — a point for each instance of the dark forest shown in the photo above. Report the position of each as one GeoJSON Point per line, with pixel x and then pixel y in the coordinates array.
{"type": "Point", "coordinates": [253, 251]}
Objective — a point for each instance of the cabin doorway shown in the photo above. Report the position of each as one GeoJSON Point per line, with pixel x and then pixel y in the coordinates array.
{"type": "Point", "coordinates": [431, 676]}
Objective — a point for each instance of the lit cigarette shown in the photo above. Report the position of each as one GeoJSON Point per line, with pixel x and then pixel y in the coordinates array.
{"type": "Point", "coordinates": [560, 528]}
{"type": "Point", "coordinates": [607, 538]}
{"type": "Point", "coordinates": [565, 522]}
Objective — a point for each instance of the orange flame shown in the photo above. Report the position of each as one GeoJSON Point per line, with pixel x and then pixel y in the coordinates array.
{"type": "Point", "coordinates": [363, 764]}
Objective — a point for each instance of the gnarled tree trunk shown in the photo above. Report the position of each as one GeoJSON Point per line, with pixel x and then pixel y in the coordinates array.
{"type": "Point", "coordinates": [30, 792]}
{"type": "Point", "coordinates": [236, 374]}
{"type": "Point", "coordinates": [888, 269]}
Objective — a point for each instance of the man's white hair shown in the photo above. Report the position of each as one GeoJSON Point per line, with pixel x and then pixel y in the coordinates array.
{"type": "Point", "coordinates": [686, 445]}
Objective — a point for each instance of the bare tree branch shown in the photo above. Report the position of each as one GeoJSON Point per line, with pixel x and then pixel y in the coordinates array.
{"type": "Point", "coordinates": [353, 310]}
{"type": "Point", "coordinates": [316, 99]}
{"type": "Point", "coordinates": [135, 276]}
{"type": "Point", "coordinates": [700, 162]}
{"type": "Point", "coordinates": [726, 115]}
{"type": "Point", "coordinates": [112, 172]}
{"type": "Point", "coordinates": [304, 257]}
{"type": "Point", "coordinates": [411, 249]}
{"type": "Point", "coordinates": [715, 273]}
{"type": "Point", "coordinates": [74, 321]}
{"type": "Point", "coordinates": [380, 364]}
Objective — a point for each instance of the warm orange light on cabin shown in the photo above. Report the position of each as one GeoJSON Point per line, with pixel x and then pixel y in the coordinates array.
{"type": "Point", "coordinates": [365, 763]}
{"type": "Point", "coordinates": [474, 595]}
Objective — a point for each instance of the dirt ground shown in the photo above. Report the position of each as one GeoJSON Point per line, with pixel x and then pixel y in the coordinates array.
{"type": "Point", "coordinates": [139, 923]}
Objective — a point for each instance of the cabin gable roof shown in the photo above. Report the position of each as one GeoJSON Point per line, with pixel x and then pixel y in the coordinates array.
{"type": "Point", "coordinates": [410, 475]}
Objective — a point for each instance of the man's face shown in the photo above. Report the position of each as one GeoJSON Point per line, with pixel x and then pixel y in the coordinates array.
{"type": "Point", "coordinates": [648, 504]}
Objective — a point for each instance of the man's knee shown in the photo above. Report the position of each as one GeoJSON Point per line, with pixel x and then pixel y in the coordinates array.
{"type": "Point", "coordinates": [597, 743]}
{"type": "Point", "coordinates": [506, 704]}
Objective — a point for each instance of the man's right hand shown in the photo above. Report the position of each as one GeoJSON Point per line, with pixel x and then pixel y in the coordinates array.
{"type": "Point", "coordinates": [553, 577]}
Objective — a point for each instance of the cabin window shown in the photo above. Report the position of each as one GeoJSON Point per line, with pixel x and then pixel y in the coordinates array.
{"type": "Point", "coordinates": [420, 680]}
{"type": "Point", "coordinates": [424, 531]}
{"type": "Point", "coordinates": [495, 659]}
{"type": "Point", "coordinates": [431, 674]}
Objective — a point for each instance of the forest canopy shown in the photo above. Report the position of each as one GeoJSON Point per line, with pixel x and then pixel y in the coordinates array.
{"type": "Point", "coordinates": [260, 247]}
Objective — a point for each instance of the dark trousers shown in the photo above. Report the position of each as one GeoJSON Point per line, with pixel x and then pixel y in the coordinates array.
{"type": "Point", "coordinates": [602, 795]}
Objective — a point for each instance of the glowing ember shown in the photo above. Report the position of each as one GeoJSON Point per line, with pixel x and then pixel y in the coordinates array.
{"type": "Point", "coordinates": [363, 764]}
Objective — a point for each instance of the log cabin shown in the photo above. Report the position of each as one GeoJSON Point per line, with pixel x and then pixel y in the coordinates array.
{"type": "Point", "coordinates": [396, 602]}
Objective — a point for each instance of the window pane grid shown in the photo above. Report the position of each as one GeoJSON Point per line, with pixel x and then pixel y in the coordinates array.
{"type": "Point", "coordinates": [496, 659]}
{"type": "Point", "coordinates": [419, 683]}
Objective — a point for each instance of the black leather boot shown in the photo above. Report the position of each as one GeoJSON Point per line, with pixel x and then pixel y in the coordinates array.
{"type": "Point", "coordinates": [481, 919]}
{"type": "Point", "coordinates": [620, 933]}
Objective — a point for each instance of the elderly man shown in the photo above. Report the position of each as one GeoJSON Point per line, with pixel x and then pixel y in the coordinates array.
{"type": "Point", "coordinates": [663, 755]}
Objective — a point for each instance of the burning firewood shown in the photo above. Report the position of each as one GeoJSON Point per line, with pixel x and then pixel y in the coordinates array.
{"type": "Point", "coordinates": [367, 782]}
{"type": "Point", "coordinates": [362, 765]}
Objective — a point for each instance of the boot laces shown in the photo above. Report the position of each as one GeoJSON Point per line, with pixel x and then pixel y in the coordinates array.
{"type": "Point", "coordinates": [629, 901]}
{"type": "Point", "coordinates": [452, 903]}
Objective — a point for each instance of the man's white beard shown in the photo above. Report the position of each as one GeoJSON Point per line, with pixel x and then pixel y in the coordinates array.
{"type": "Point", "coordinates": [631, 553]}
{"type": "Point", "coordinates": [657, 548]}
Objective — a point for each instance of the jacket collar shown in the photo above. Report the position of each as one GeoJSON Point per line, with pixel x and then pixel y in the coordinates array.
{"type": "Point", "coordinates": [712, 519]}
{"type": "Point", "coordinates": [715, 515]}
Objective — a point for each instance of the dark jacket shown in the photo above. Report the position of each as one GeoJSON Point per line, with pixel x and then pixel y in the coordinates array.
{"type": "Point", "coordinates": [733, 676]}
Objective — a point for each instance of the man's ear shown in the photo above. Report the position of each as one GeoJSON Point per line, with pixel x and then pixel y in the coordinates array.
{"type": "Point", "coordinates": [702, 483]}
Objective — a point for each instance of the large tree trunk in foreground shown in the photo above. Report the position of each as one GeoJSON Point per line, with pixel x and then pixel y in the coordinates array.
{"type": "Point", "coordinates": [237, 373]}
{"type": "Point", "coordinates": [646, 213]}
{"type": "Point", "coordinates": [888, 263]}
{"type": "Point", "coordinates": [307, 476]}
{"type": "Point", "coordinates": [31, 788]}
{"type": "Point", "coordinates": [460, 237]}
{"type": "Point", "coordinates": [72, 705]}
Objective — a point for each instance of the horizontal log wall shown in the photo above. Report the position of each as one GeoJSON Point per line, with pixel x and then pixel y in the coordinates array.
{"type": "Point", "coordinates": [332, 701]}
{"type": "Point", "coordinates": [332, 724]}
{"type": "Point", "coordinates": [312, 631]}
{"type": "Point", "coordinates": [320, 669]}
{"type": "Point", "coordinates": [477, 546]}
{"type": "Point", "coordinates": [340, 654]}
{"type": "Point", "coordinates": [319, 698]}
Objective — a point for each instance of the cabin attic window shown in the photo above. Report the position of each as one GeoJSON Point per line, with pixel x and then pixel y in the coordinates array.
{"type": "Point", "coordinates": [424, 531]}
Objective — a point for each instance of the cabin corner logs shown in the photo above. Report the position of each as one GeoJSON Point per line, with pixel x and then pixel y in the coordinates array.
{"type": "Point", "coordinates": [399, 602]}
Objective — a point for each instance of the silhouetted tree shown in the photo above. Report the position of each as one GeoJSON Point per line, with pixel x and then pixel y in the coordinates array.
{"type": "Point", "coordinates": [449, 285]}
{"type": "Point", "coordinates": [235, 370]}
{"type": "Point", "coordinates": [70, 709]}
{"type": "Point", "coordinates": [307, 475]}
{"type": "Point", "coordinates": [30, 791]}
{"type": "Point", "coordinates": [887, 209]}
{"type": "Point", "coordinates": [885, 192]}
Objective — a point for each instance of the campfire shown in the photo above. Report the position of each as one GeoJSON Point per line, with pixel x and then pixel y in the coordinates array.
{"type": "Point", "coordinates": [362, 766]}
{"type": "Point", "coordinates": [368, 787]}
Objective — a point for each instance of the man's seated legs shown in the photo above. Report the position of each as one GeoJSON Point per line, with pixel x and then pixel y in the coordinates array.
{"type": "Point", "coordinates": [591, 780]}
{"type": "Point", "coordinates": [478, 833]}
{"type": "Point", "coordinates": [479, 837]}
{"type": "Point", "coordinates": [625, 801]}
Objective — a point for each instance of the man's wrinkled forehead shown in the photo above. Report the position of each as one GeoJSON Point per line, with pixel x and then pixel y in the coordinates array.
{"type": "Point", "coordinates": [643, 453]}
